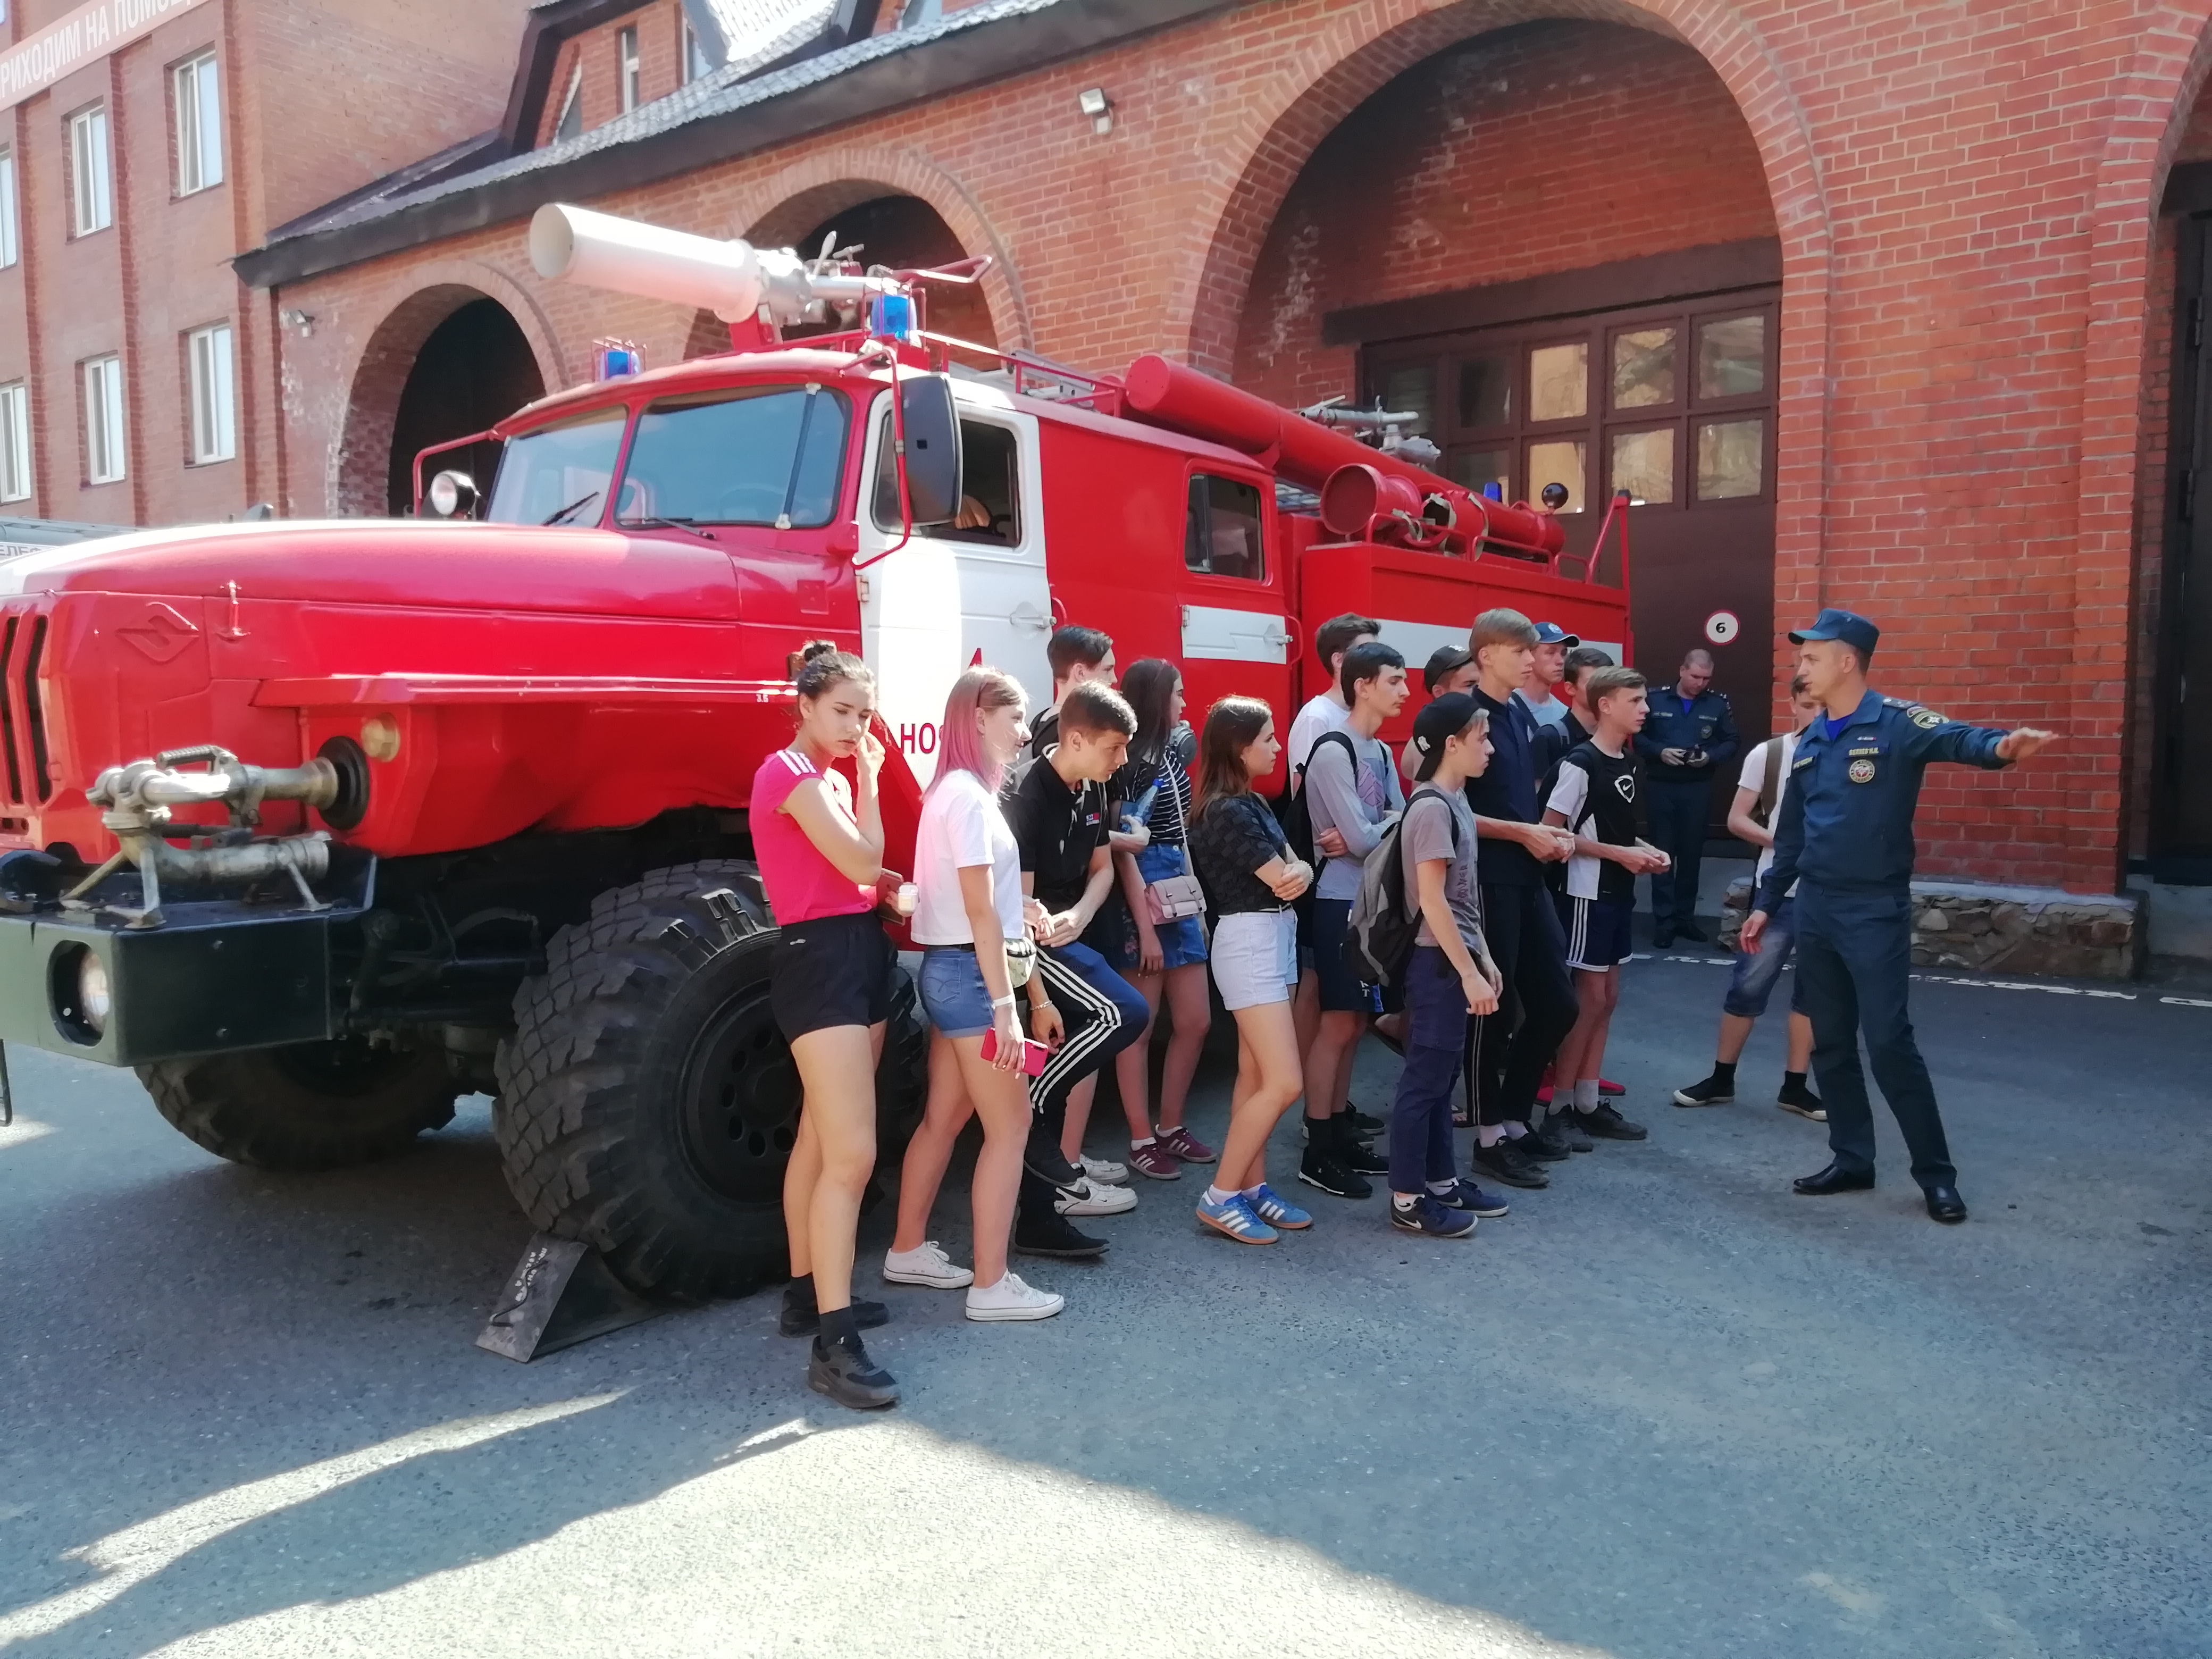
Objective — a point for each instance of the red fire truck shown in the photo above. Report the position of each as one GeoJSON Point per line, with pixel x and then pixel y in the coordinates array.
{"type": "Point", "coordinates": [319, 825]}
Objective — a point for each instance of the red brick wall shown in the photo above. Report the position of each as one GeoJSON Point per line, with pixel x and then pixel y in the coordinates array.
{"type": "Point", "coordinates": [1553, 146]}
{"type": "Point", "coordinates": [661, 65]}
{"type": "Point", "coordinates": [1963, 199]}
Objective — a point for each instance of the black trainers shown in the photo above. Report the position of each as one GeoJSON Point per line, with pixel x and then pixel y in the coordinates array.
{"type": "Point", "coordinates": [844, 1372]}
{"type": "Point", "coordinates": [1322, 1167]}
{"type": "Point", "coordinates": [1712, 1092]}
{"type": "Point", "coordinates": [1545, 1141]}
{"type": "Point", "coordinates": [1505, 1162]}
{"type": "Point", "coordinates": [798, 1318]}
{"type": "Point", "coordinates": [1794, 1098]}
{"type": "Point", "coordinates": [1362, 1125]}
{"type": "Point", "coordinates": [1360, 1158]}
{"type": "Point", "coordinates": [1608, 1125]}
{"type": "Point", "coordinates": [1049, 1233]}
{"type": "Point", "coordinates": [1568, 1125]}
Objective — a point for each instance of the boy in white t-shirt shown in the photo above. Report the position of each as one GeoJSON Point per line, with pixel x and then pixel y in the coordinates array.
{"type": "Point", "coordinates": [1326, 710]}
{"type": "Point", "coordinates": [1759, 788]}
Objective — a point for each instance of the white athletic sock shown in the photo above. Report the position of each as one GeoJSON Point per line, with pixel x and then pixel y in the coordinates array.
{"type": "Point", "coordinates": [1438, 1189]}
{"type": "Point", "coordinates": [1586, 1094]}
{"type": "Point", "coordinates": [1515, 1131]}
{"type": "Point", "coordinates": [1215, 1195]}
{"type": "Point", "coordinates": [1253, 1192]}
{"type": "Point", "coordinates": [1490, 1133]}
{"type": "Point", "coordinates": [1136, 1145]}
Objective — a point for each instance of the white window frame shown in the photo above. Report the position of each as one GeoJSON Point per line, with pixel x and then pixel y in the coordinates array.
{"type": "Point", "coordinates": [630, 69]}
{"type": "Point", "coordinates": [696, 66]}
{"type": "Point", "coordinates": [211, 385]}
{"type": "Point", "coordinates": [571, 106]}
{"type": "Point", "coordinates": [11, 243]}
{"type": "Point", "coordinates": [92, 170]}
{"type": "Point", "coordinates": [106, 457]}
{"type": "Point", "coordinates": [15, 441]}
{"type": "Point", "coordinates": [196, 91]}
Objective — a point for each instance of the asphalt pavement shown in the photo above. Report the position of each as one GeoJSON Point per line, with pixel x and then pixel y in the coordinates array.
{"type": "Point", "coordinates": [1665, 1408]}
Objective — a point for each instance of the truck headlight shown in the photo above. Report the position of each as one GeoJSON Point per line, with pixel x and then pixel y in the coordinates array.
{"type": "Point", "coordinates": [95, 1000]}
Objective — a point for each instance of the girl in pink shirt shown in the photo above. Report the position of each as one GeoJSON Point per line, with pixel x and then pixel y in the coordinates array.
{"type": "Point", "coordinates": [820, 847]}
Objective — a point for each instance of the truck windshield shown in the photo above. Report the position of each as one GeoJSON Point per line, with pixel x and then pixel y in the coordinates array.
{"type": "Point", "coordinates": [764, 456]}
{"type": "Point", "coordinates": [559, 474]}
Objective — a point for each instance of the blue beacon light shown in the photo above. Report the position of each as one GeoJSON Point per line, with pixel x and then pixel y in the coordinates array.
{"type": "Point", "coordinates": [890, 317]}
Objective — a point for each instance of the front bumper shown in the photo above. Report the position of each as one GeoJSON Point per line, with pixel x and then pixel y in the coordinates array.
{"type": "Point", "coordinates": [220, 974]}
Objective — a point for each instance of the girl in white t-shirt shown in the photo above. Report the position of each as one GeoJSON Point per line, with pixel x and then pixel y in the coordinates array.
{"type": "Point", "coordinates": [973, 925]}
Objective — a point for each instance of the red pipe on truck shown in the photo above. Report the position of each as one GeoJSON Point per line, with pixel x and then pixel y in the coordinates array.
{"type": "Point", "coordinates": [1181, 399]}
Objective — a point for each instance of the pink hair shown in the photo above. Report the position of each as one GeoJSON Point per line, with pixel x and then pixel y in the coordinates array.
{"type": "Point", "coordinates": [960, 739]}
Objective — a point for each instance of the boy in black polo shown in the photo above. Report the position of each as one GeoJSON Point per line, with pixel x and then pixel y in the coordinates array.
{"type": "Point", "coordinates": [1505, 1064]}
{"type": "Point", "coordinates": [1594, 800]}
{"type": "Point", "coordinates": [1058, 815]}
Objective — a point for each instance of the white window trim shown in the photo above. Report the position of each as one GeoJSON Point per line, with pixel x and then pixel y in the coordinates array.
{"type": "Point", "coordinates": [573, 103]}
{"type": "Point", "coordinates": [11, 245]}
{"type": "Point", "coordinates": [106, 458]}
{"type": "Point", "coordinates": [696, 66]}
{"type": "Point", "coordinates": [15, 441]}
{"type": "Point", "coordinates": [197, 93]}
{"type": "Point", "coordinates": [211, 384]}
{"type": "Point", "coordinates": [92, 170]}
{"type": "Point", "coordinates": [630, 69]}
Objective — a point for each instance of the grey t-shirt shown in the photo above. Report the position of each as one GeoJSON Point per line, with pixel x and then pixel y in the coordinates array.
{"type": "Point", "coordinates": [1359, 808]}
{"type": "Point", "coordinates": [1427, 836]}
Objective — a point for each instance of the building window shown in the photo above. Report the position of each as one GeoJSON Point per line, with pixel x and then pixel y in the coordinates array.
{"type": "Point", "coordinates": [104, 461]}
{"type": "Point", "coordinates": [199, 126]}
{"type": "Point", "coordinates": [15, 442]}
{"type": "Point", "coordinates": [214, 387]}
{"type": "Point", "coordinates": [92, 181]}
{"type": "Point", "coordinates": [571, 123]}
{"type": "Point", "coordinates": [10, 247]}
{"type": "Point", "coordinates": [626, 68]}
{"type": "Point", "coordinates": [695, 55]}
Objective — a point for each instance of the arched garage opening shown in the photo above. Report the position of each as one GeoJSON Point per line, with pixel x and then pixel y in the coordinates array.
{"type": "Point", "coordinates": [475, 368]}
{"type": "Point", "coordinates": [1554, 244]}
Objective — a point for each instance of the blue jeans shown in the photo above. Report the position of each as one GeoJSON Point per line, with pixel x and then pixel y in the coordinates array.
{"type": "Point", "coordinates": [1436, 1038]}
{"type": "Point", "coordinates": [1753, 981]}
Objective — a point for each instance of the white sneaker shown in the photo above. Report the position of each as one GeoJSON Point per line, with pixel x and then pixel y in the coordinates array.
{"type": "Point", "coordinates": [924, 1264]}
{"type": "Point", "coordinates": [1105, 1170]}
{"type": "Point", "coordinates": [1089, 1197]}
{"type": "Point", "coordinates": [1010, 1299]}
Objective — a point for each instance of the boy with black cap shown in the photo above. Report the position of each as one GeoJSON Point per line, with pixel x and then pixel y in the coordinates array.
{"type": "Point", "coordinates": [1450, 975]}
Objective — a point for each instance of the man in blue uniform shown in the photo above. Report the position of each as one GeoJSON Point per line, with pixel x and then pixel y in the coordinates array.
{"type": "Point", "coordinates": [1687, 742]}
{"type": "Point", "coordinates": [1845, 838]}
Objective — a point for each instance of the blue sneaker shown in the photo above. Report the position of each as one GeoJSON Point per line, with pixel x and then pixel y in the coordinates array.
{"type": "Point", "coordinates": [1425, 1215]}
{"type": "Point", "coordinates": [1276, 1211]}
{"type": "Point", "coordinates": [1234, 1218]}
{"type": "Point", "coordinates": [1473, 1199]}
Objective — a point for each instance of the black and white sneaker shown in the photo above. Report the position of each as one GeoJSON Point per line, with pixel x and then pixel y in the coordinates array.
{"type": "Point", "coordinates": [844, 1372]}
{"type": "Point", "coordinates": [1711, 1092]}
{"type": "Point", "coordinates": [1803, 1101]}
{"type": "Point", "coordinates": [1364, 1126]}
{"type": "Point", "coordinates": [1506, 1163]}
{"type": "Point", "coordinates": [1322, 1167]}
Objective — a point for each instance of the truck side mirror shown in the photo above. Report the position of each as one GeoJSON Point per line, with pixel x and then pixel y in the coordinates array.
{"type": "Point", "coordinates": [932, 449]}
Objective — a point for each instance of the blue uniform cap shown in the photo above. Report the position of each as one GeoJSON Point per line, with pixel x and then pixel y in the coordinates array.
{"type": "Point", "coordinates": [1848, 626]}
{"type": "Point", "coordinates": [1553, 633]}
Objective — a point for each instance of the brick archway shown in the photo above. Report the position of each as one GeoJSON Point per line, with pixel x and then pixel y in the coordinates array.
{"type": "Point", "coordinates": [1356, 50]}
{"type": "Point", "coordinates": [788, 203]}
{"type": "Point", "coordinates": [411, 310]}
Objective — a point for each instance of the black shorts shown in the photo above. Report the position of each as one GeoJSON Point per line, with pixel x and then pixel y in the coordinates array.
{"type": "Point", "coordinates": [833, 970]}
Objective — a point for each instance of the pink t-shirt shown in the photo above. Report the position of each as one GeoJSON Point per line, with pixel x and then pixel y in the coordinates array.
{"type": "Point", "coordinates": [802, 884]}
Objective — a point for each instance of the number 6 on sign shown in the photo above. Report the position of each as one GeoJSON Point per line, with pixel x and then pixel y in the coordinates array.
{"type": "Point", "coordinates": [1722, 626]}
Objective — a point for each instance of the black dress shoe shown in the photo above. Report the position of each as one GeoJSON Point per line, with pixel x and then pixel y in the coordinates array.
{"type": "Point", "coordinates": [1945, 1205]}
{"type": "Point", "coordinates": [1834, 1179]}
{"type": "Point", "coordinates": [1661, 941]}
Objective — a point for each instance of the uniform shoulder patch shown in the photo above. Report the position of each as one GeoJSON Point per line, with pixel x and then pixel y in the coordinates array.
{"type": "Point", "coordinates": [1926, 719]}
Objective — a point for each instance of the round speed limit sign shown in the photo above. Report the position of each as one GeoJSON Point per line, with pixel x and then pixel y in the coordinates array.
{"type": "Point", "coordinates": [1722, 626]}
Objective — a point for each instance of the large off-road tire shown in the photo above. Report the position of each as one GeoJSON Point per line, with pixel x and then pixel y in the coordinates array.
{"type": "Point", "coordinates": [648, 1103]}
{"type": "Point", "coordinates": [306, 1106]}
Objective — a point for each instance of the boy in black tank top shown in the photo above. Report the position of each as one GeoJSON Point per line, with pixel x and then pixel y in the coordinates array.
{"type": "Point", "coordinates": [1595, 797]}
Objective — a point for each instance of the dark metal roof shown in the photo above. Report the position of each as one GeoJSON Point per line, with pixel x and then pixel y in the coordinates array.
{"type": "Point", "coordinates": [740, 108]}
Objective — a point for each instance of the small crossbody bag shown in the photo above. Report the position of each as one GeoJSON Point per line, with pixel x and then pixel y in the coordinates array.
{"type": "Point", "coordinates": [1171, 898]}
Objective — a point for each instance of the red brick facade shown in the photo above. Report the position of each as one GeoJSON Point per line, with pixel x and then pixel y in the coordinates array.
{"type": "Point", "coordinates": [354, 76]}
{"type": "Point", "coordinates": [1973, 354]}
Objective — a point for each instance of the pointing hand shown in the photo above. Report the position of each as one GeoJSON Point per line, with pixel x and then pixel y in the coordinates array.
{"type": "Point", "coordinates": [2023, 743]}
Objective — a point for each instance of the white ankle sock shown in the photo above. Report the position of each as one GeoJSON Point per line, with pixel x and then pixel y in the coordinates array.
{"type": "Point", "coordinates": [1586, 1094]}
{"type": "Point", "coordinates": [1215, 1195]}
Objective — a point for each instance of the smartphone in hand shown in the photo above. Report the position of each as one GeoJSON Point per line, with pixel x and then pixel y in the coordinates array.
{"type": "Point", "coordinates": [1033, 1054]}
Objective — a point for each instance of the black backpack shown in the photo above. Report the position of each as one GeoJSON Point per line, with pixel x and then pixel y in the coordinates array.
{"type": "Point", "coordinates": [1378, 939]}
{"type": "Point", "coordinates": [1297, 819]}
